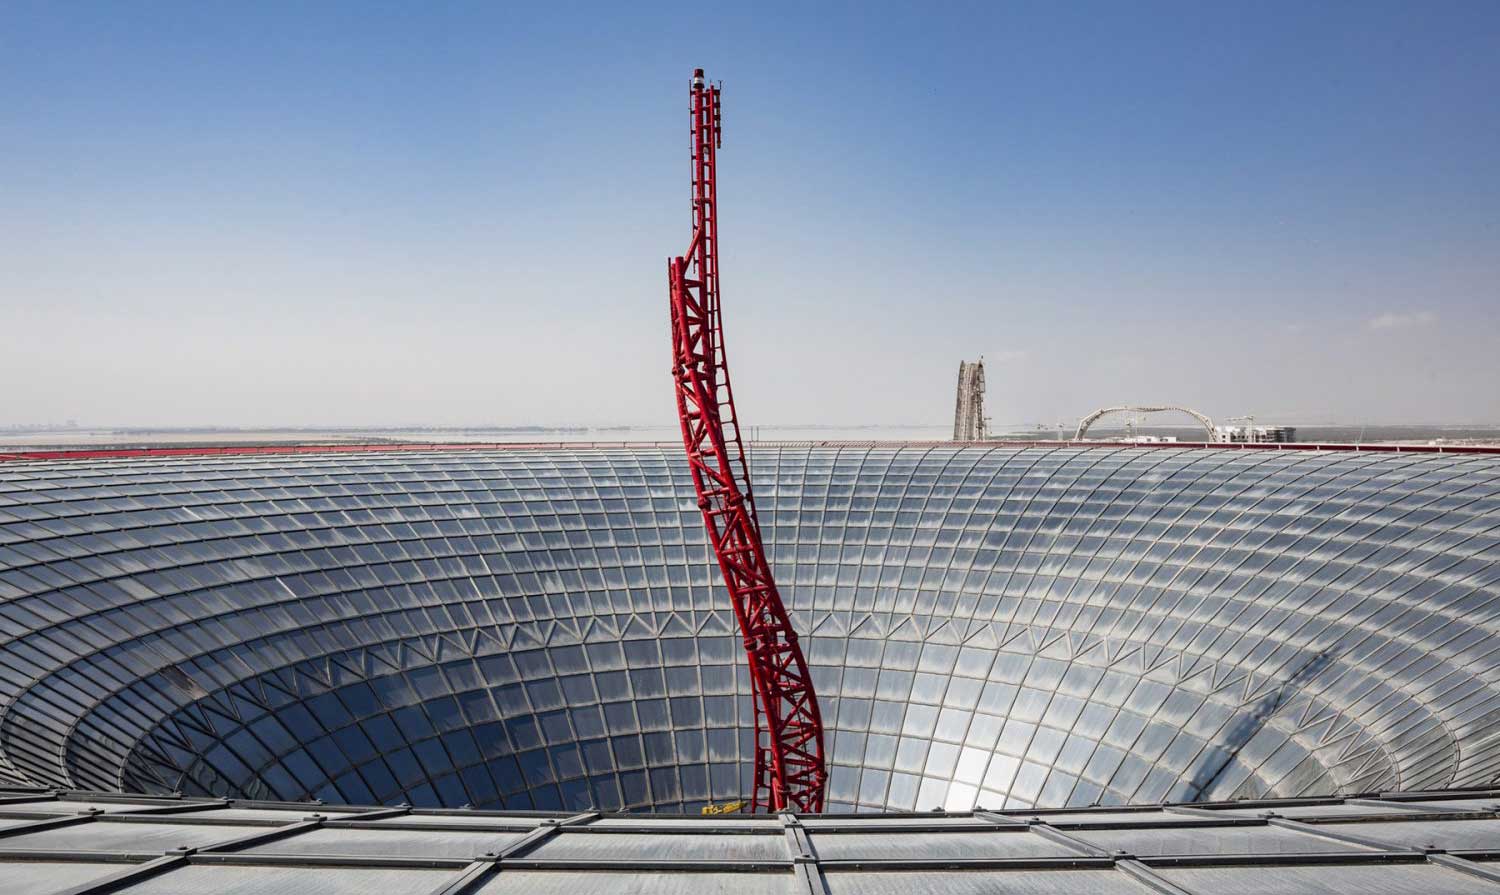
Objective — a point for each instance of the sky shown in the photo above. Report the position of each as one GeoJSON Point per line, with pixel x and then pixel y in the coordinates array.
{"type": "Point", "coordinates": [302, 214]}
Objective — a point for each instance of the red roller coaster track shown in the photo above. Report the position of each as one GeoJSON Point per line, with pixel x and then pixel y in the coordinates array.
{"type": "Point", "coordinates": [789, 768]}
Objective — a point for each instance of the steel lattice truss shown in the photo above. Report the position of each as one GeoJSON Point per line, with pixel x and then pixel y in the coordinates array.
{"type": "Point", "coordinates": [789, 766]}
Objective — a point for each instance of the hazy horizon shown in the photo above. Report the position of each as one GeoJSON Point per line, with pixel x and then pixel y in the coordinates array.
{"type": "Point", "coordinates": [342, 215]}
{"type": "Point", "coordinates": [1143, 424]}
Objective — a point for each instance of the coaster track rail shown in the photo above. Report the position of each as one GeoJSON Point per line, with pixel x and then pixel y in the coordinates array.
{"type": "Point", "coordinates": [790, 773]}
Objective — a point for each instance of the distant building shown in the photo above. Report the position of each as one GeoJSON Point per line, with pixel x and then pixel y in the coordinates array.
{"type": "Point", "coordinates": [1255, 434]}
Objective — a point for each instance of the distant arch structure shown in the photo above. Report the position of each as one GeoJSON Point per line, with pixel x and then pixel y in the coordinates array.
{"type": "Point", "coordinates": [1083, 424]}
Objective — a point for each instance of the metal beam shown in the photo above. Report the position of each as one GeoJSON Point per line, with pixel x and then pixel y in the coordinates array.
{"type": "Point", "coordinates": [1059, 837]}
{"type": "Point", "coordinates": [271, 835]}
{"type": "Point", "coordinates": [50, 823]}
{"type": "Point", "coordinates": [1472, 868]}
{"type": "Point", "coordinates": [128, 877]}
{"type": "Point", "coordinates": [804, 856]}
{"type": "Point", "coordinates": [1346, 838]}
{"type": "Point", "coordinates": [1151, 879]}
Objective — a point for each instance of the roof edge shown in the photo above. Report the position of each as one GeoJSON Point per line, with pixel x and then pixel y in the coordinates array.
{"type": "Point", "coordinates": [429, 447]}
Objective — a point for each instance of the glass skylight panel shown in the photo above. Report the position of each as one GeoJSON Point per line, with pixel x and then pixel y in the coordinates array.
{"type": "Point", "coordinates": [1260, 516]}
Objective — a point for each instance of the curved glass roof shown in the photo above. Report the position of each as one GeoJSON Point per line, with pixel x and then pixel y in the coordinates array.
{"type": "Point", "coordinates": [545, 629]}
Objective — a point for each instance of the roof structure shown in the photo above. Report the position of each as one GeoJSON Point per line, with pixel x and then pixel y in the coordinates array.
{"type": "Point", "coordinates": [1443, 843]}
{"type": "Point", "coordinates": [241, 450]}
{"type": "Point", "coordinates": [543, 628]}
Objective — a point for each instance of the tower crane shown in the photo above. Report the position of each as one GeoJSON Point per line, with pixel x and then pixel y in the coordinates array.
{"type": "Point", "coordinates": [790, 773]}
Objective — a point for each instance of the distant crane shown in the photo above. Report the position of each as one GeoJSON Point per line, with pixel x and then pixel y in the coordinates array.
{"type": "Point", "coordinates": [790, 772]}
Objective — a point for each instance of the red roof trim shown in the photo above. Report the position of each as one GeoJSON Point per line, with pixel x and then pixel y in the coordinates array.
{"type": "Point", "coordinates": [269, 449]}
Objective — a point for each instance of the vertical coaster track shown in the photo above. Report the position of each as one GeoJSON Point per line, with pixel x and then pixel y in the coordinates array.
{"type": "Point", "coordinates": [789, 768]}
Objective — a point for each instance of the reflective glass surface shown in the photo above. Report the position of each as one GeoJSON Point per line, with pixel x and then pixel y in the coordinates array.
{"type": "Point", "coordinates": [546, 629]}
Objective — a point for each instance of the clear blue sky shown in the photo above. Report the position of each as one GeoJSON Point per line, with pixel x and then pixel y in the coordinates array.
{"type": "Point", "coordinates": [381, 213]}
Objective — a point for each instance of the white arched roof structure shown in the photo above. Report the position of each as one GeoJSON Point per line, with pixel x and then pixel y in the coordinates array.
{"type": "Point", "coordinates": [1083, 424]}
